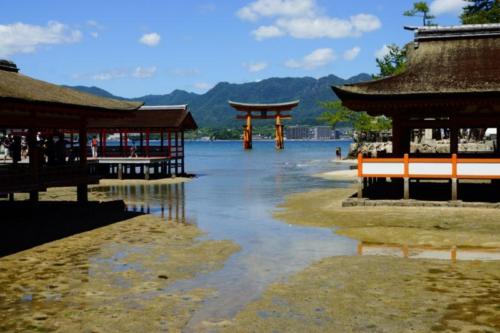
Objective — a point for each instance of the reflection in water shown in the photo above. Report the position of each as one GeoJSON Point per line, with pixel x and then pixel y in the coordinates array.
{"type": "Point", "coordinates": [234, 199]}
{"type": "Point", "coordinates": [165, 200]}
{"type": "Point", "coordinates": [405, 251]}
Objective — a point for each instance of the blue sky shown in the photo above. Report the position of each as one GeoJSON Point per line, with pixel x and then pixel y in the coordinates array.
{"type": "Point", "coordinates": [133, 48]}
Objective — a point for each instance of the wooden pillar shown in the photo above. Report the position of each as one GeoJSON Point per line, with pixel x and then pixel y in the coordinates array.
{"type": "Point", "coordinates": [406, 186]}
{"type": "Point", "coordinates": [454, 139]}
{"type": "Point", "coordinates": [454, 180]}
{"type": "Point", "coordinates": [103, 142]}
{"type": "Point", "coordinates": [34, 162]}
{"type": "Point", "coordinates": [396, 136]}
{"type": "Point", "coordinates": [247, 132]}
{"type": "Point", "coordinates": [121, 144]}
{"type": "Point", "coordinates": [176, 160]}
{"type": "Point", "coordinates": [360, 176]}
{"type": "Point", "coordinates": [279, 133]}
{"type": "Point", "coordinates": [497, 150]}
{"type": "Point", "coordinates": [147, 142]}
{"type": "Point", "coordinates": [125, 142]}
{"type": "Point", "coordinates": [81, 191]}
{"type": "Point", "coordinates": [141, 143]}
{"type": "Point", "coordinates": [161, 141]}
{"type": "Point", "coordinates": [182, 150]}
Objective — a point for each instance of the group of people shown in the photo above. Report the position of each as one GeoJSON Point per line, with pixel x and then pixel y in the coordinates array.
{"type": "Point", "coordinates": [53, 148]}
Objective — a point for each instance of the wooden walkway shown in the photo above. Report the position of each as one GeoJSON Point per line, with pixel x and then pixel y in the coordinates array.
{"type": "Point", "coordinates": [134, 167]}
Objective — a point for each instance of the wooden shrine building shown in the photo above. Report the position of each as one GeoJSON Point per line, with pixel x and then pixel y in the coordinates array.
{"type": "Point", "coordinates": [451, 82]}
{"type": "Point", "coordinates": [29, 107]}
{"type": "Point", "coordinates": [278, 111]}
{"type": "Point", "coordinates": [150, 142]}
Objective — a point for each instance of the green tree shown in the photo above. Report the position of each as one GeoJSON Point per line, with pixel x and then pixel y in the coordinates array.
{"type": "Point", "coordinates": [481, 11]}
{"type": "Point", "coordinates": [367, 127]}
{"type": "Point", "coordinates": [392, 63]}
{"type": "Point", "coordinates": [421, 8]}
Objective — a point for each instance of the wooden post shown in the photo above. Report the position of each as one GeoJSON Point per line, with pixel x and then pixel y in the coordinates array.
{"type": "Point", "coordinates": [34, 162]}
{"type": "Point", "coordinates": [103, 145]}
{"type": "Point", "coordinates": [182, 152]}
{"type": "Point", "coordinates": [121, 144]}
{"type": "Point", "coordinates": [360, 176]}
{"type": "Point", "coordinates": [360, 249]}
{"type": "Point", "coordinates": [147, 142]}
{"type": "Point", "coordinates": [81, 191]}
{"type": "Point", "coordinates": [454, 180]}
{"type": "Point", "coordinates": [497, 150]}
{"type": "Point", "coordinates": [161, 142]}
{"type": "Point", "coordinates": [247, 132]}
{"type": "Point", "coordinates": [120, 171]}
{"type": "Point", "coordinates": [406, 190]}
{"type": "Point", "coordinates": [146, 171]}
{"type": "Point", "coordinates": [453, 139]}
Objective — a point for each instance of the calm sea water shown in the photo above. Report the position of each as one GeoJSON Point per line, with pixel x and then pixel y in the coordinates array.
{"type": "Point", "coordinates": [233, 197]}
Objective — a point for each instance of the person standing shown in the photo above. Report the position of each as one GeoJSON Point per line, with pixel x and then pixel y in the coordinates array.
{"type": "Point", "coordinates": [93, 146]}
{"type": "Point", "coordinates": [338, 153]}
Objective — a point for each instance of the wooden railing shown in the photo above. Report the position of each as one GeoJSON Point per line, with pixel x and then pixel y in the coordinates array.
{"type": "Point", "coordinates": [431, 168]}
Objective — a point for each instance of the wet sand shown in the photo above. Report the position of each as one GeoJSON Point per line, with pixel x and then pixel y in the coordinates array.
{"type": "Point", "coordinates": [350, 174]}
{"type": "Point", "coordinates": [384, 293]}
{"type": "Point", "coordinates": [109, 279]}
{"type": "Point", "coordinates": [379, 294]}
{"type": "Point", "coordinates": [440, 227]}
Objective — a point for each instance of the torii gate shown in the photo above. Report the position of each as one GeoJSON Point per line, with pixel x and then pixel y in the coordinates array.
{"type": "Point", "coordinates": [263, 111]}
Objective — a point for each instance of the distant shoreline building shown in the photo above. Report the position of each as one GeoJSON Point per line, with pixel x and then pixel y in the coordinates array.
{"type": "Point", "coordinates": [302, 132]}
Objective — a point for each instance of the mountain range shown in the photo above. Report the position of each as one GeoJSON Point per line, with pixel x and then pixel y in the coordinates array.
{"type": "Point", "coordinates": [212, 110]}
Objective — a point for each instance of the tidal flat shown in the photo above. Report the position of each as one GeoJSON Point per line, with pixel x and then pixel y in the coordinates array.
{"type": "Point", "coordinates": [110, 279]}
{"type": "Point", "coordinates": [440, 227]}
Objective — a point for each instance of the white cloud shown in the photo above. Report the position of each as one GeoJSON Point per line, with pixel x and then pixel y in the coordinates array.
{"type": "Point", "coordinates": [202, 86]}
{"type": "Point", "coordinates": [25, 38]}
{"type": "Point", "coordinates": [185, 72]}
{"type": "Point", "coordinates": [382, 52]}
{"type": "Point", "coordinates": [454, 7]}
{"type": "Point", "coordinates": [151, 39]}
{"type": "Point", "coordinates": [255, 67]}
{"type": "Point", "coordinates": [109, 75]}
{"type": "Point", "coordinates": [352, 53]}
{"type": "Point", "coordinates": [138, 72]}
{"type": "Point", "coordinates": [273, 8]}
{"type": "Point", "coordinates": [264, 32]}
{"type": "Point", "coordinates": [326, 27]}
{"type": "Point", "coordinates": [304, 19]}
{"type": "Point", "coordinates": [144, 72]}
{"type": "Point", "coordinates": [317, 58]}
{"type": "Point", "coordinates": [96, 27]}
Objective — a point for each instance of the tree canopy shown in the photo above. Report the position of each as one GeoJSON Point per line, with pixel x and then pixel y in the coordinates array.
{"type": "Point", "coordinates": [394, 62]}
{"type": "Point", "coordinates": [421, 8]}
{"type": "Point", "coordinates": [481, 12]}
{"type": "Point", "coordinates": [362, 122]}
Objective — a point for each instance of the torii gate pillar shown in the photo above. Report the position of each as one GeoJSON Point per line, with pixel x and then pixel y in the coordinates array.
{"type": "Point", "coordinates": [278, 112]}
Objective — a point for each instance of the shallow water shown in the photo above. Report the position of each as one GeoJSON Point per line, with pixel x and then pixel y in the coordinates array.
{"type": "Point", "coordinates": [233, 198]}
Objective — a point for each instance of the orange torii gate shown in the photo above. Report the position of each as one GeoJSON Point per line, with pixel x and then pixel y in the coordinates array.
{"type": "Point", "coordinates": [263, 111]}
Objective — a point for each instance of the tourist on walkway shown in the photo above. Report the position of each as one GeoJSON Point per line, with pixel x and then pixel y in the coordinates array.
{"type": "Point", "coordinates": [94, 147]}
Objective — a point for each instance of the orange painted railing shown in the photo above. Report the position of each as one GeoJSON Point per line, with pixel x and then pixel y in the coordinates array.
{"type": "Point", "coordinates": [444, 168]}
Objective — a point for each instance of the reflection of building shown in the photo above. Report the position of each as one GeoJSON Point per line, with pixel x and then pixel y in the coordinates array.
{"type": "Point", "coordinates": [452, 81]}
{"type": "Point", "coordinates": [168, 201]}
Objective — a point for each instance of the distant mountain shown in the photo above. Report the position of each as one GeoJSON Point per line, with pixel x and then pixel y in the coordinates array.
{"type": "Point", "coordinates": [212, 110]}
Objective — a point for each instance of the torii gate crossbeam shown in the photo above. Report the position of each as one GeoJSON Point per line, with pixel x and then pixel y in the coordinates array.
{"type": "Point", "coordinates": [278, 111]}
